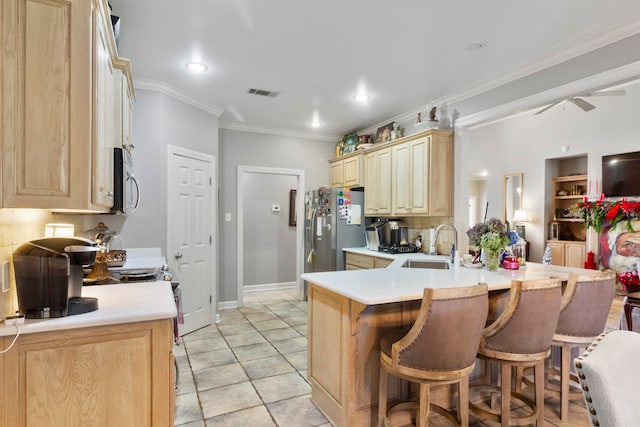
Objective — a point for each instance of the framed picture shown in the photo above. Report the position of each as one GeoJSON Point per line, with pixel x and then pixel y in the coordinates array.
{"type": "Point", "coordinates": [350, 143]}
{"type": "Point", "coordinates": [383, 133]}
{"type": "Point", "coordinates": [292, 208]}
{"type": "Point", "coordinates": [620, 246]}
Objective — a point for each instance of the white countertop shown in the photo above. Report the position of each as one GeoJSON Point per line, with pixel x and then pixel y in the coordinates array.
{"type": "Point", "coordinates": [122, 303]}
{"type": "Point", "coordinates": [394, 283]}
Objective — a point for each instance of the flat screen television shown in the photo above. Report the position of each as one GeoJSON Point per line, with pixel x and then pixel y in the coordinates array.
{"type": "Point", "coordinates": [621, 175]}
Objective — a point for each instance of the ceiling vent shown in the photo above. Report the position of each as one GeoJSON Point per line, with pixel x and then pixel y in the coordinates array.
{"type": "Point", "coordinates": [263, 92]}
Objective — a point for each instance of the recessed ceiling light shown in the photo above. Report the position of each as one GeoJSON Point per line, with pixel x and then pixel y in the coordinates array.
{"type": "Point", "coordinates": [196, 67]}
{"type": "Point", "coordinates": [315, 124]}
{"type": "Point", "coordinates": [362, 97]}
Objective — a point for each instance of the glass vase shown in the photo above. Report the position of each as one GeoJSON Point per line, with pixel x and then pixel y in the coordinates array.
{"type": "Point", "coordinates": [492, 260]}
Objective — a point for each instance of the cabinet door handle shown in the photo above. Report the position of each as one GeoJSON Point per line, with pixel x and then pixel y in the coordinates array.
{"type": "Point", "coordinates": [178, 255]}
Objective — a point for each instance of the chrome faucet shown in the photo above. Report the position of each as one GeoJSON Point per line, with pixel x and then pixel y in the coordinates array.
{"type": "Point", "coordinates": [434, 238]}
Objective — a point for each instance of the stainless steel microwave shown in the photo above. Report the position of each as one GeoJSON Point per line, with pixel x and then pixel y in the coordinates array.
{"type": "Point", "coordinates": [126, 191]}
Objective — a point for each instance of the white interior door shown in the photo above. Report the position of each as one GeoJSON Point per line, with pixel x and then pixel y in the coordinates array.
{"type": "Point", "coordinates": [190, 234]}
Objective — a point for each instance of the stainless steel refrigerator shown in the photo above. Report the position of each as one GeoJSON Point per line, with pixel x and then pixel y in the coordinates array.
{"type": "Point", "coordinates": [334, 219]}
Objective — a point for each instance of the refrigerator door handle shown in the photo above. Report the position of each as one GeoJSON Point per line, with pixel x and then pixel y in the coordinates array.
{"type": "Point", "coordinates": [312, 230]}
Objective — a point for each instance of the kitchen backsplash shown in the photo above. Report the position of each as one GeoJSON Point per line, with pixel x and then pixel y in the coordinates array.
{"type": "Point", "coordinates": [21, 225]}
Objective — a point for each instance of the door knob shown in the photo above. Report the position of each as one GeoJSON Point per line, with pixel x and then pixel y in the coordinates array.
{"type": "Point", "coordinates": [178, 255]}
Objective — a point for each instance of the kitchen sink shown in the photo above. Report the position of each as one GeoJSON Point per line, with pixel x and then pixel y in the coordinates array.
{"type": "Point", "coordinates": [424, 263]}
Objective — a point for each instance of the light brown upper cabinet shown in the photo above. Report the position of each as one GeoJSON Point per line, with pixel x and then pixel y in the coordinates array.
{"type": "Point", "coordinates": [347, 171]}
{"type": "Point", "coordinates": [420, 176]}
{"type": "Point", "coordinates": [377, 182]}
{"type": "Point", "coordinates": [59, 87]}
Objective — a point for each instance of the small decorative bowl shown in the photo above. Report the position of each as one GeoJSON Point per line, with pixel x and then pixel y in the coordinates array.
{"type": "Point", "coordinates": [510, 263]}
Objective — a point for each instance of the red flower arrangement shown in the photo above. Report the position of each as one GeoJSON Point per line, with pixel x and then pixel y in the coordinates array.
{"type": "Point", "coordinates": [629, 281]}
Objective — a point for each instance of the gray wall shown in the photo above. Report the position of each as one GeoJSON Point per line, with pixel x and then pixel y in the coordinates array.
{"type": "Point", "coordinates": [264, 150]}
{"type": "Point", "coordinates": [269, 242]}
{"type": "Point", "coordinates": [159, 121]}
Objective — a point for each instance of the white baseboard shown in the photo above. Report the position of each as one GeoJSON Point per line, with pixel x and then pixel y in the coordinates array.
{"type": "Point", "coordinates": [225, 305]}
{"type": "Point", "coordinates": [269, 287]}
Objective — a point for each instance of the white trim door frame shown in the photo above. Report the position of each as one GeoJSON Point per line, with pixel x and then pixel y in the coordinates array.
{"type": "Point", "coordinates": [299, 174]}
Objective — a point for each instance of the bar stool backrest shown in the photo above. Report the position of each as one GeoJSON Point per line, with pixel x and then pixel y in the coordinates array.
{"type": "Point", "coordinates": [446, 334]}
{"type": "Point", "coordinates": [529, 320]}
{"type": "Point", "coordinates": [586, 303]}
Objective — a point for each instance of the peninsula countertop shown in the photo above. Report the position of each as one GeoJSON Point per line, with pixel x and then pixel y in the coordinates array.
{"type": "Point", "coordinates": [395, 283]}
{"type": "Point", "coordinates": [122, 303]}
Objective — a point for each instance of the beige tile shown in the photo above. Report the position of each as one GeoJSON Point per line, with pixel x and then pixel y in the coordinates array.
{"type": "Point", "coordinates": [281, 387]}
{"type": "Point", "coordinates": [210, 331]}
{"type": "Point", "coordinates": [193, 424]}
{"type": "Point", "coordinates": [236, 328]}
{"type": "Point", "coordinates": [204, 345]}
{"type": "Point", "coordinates": [280, 334]}
{"type": "Point", "coordinates": [259, 316]}
{"type": "Point", "coordinates": [296, 320]}
{"type": "Point", "coordinates": [247, 338]}
{"type": "Point", "coordinates": [256, 416]}
{"type": "Point", "coordinates": [291, 345]}
{"type": "Point", "coordinates": [254, 351]}
{"type": "Point", "coordinates": [298, 360]}
{"type": "Point", "coordinates": [266, 325]}
{"type": "Point", "coordinates": [231, 398]}
{"type": "Point", "coordinates": [211, 358]}
{"type": "Point", "coordinates": [296, 412]}
{"type": "Point", "coordinates": [267, 367]}
{"type": "Point", "coordinates": [219, 376]}
{"type": "Point", "coordinates": [187, 408]}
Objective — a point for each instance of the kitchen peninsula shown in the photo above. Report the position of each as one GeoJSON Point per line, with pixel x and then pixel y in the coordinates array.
{"type": "Point", "coordinates": [350, 310]}
{"type": "Point", "coordinates": [115, 363]}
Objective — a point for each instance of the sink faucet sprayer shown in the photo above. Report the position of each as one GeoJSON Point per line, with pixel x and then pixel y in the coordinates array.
{"type": "Point", "coordinates": [434, 238]}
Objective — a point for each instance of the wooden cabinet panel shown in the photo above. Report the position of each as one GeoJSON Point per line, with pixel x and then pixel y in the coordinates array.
{"type": "Point", "coordinates": [575, 255]}
{"type": "Point", "coordinates": [44, 111]}
{"type": "Point", "coordinates": [358, 260]}
{"type": "Point", "coordinates": [57, 86]}
{"type": "Point", "coordinates": [347, 172]}
{"type": "Point", "coordinates": [568, 254]}
{"type": "Point", "coordinates": [557, 253]}
{"type": "Point", "coordinates": [377, 182]}
{"type": "Point", "coordinates": [113, 375]}
{"type": "Point", "coordinates": [336, 174]}
{"type": "Point", "coordinates": [352, 168]}
{"type": "Point", "coordinates": [381, 262]}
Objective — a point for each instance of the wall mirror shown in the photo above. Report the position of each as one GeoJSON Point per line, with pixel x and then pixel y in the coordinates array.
{"type": "Point", "coordinates": [512, 196]}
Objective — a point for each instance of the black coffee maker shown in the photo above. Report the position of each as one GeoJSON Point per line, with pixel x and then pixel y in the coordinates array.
{"type": "Point", "coordinates": [49, 275]}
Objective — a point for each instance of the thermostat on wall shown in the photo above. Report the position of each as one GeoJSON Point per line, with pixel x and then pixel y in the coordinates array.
{"type": "Point", "coordinates": [275, 208]}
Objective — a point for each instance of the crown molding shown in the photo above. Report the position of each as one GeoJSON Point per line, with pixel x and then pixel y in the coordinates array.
{"type": "Point", "coordinates": [617, 77]}
{"type": "Point", "coordinates": [243, 127]}
{"type": "Point", "coordinates": [560, 55]}
{"type": "Point", "coordinates": [173, 92]}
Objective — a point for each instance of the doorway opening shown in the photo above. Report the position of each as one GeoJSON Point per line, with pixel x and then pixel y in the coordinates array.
{"type": "Point", "coordinates": [249, 221]}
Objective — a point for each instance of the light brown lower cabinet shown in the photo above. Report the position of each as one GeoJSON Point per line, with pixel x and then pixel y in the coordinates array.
{"type": "Point", "coordinates": [116, 375]}
{"type": "Point", "coordinates": [355, 261]}
{"type": "Point", "coordinates": [567, 253]}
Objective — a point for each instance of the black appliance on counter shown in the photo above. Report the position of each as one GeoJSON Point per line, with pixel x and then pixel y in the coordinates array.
{"type": "Point", "coordinates": [398, 249]}
{"type": "Point", "coordinates": [49, 276]}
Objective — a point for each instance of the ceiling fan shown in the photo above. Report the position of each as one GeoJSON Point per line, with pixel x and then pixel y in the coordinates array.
{"type": "Point", "coordinates": [580, 102]}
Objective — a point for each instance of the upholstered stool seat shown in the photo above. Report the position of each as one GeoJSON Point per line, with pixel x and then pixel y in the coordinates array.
{"type": "Point", "coordinates": [439, 348]}
{"type": "Point", "coordinates": [610, 380]}
{"type": "Point", "coordinates": [520, 337]}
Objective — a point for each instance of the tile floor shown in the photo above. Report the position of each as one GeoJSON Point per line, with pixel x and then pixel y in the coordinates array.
{"type": "Point", "coordinates": [250, 369]}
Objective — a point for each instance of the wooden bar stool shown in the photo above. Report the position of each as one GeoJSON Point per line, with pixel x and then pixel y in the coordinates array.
{"type": "Point", "coordinates": [519, 338]}
{"type": "Point", "coordinates": [439, 348]}
{"type": "Point", "coordinates": [585, 306]}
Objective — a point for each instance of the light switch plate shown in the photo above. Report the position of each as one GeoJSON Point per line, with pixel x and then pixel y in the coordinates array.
{"type": "Point", "coordinates": [275, 208]}
{"type": "Point", "coordinates": [4, 276]}
{"type": "Point", "coordinates": [227, 217]}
